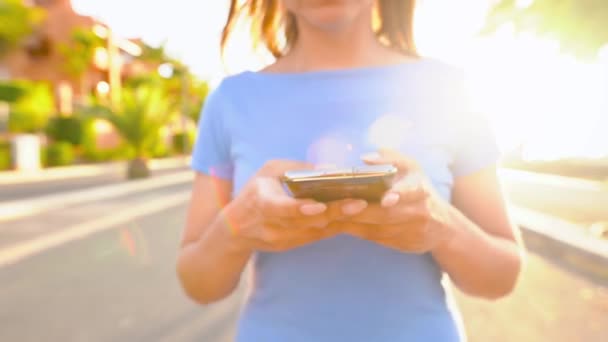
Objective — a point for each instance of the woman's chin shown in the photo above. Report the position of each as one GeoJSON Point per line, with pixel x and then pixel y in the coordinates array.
{"type": "Point", "coordinates": [331, 23]}
{"type": "Point", "coordinates": [330, 18]}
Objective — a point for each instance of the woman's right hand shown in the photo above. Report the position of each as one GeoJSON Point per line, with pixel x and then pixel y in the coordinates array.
{"type": "Point", "coordinates": [263, 217]}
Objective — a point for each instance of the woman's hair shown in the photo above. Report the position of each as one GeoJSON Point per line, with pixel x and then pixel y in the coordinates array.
{"type": "Point", "coordinates": [277, 30]}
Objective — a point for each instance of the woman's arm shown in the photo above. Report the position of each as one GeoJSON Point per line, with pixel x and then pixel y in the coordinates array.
{"type": "Point", "coordinates": [471, 238]}
{"type": "Point", "coordinates": [208, 266]}
{"type": "Point", "coordinates": [484, 257]}
{"type": "Point", "coordinates": [221, 235]}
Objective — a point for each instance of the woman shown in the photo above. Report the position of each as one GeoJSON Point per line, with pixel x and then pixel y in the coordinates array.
{"type": "Point", "coordinates": [346, 82]}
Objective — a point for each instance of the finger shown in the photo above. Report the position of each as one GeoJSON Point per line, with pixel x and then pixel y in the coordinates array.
{"type": "Point", "coordinates": [277, 239]}
{"type": "Point", "coordinates": [390, 199]}
{"type": "Point", "coordinates": [415, 212]}
{"type": "Point", "coordinates": [300, 223]}
{"type": "Point", "coordinates": [389, 156]}
{"type": "Point", "coordinates": [372, 214]}
{"type": "Point", "coordinates": [276, 168]}
{"type": "Point", "coordinates": [273, 201]}
{"type": "Point", "coordinates": [410, 188]}
{"type": "Point", "coordinates": [339, 209]}
{"type": "Point", "coordinates": [274, 196]}
{"type": "Point", "coordinates": [353, 207]}
{"type": "Point", "coordinates": [379, 215]}
{"type": "Point", "coordinates": [405, 231]}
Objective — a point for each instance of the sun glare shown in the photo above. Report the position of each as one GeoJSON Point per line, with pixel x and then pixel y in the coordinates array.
{"type": "Point", "coordinates": [536, 96]}
{"type": "Point", "coordinates": [548, 101]}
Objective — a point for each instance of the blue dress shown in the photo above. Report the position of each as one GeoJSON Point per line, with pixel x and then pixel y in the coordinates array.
{"type": "Point", "coordinates": [345, 288]}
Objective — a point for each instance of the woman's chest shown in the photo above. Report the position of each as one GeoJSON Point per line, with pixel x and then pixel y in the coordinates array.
{"type": "Point", "coordinates": [330, 133]}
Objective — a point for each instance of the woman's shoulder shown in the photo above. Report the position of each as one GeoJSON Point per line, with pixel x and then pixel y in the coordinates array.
{"type": "Point", "coordinates": [229, 88]}
{"type": "Point", "coordinates": [443, 69]}
{"type": "Point", "coordinates": [232, 83]}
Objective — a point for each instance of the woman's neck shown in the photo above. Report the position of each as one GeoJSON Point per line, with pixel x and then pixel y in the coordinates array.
{"type": "Point", "coordinates": [350, 47]}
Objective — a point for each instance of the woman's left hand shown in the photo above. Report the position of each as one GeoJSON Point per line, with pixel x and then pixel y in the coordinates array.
{"type": "Point", "coordinates": [410, 218]}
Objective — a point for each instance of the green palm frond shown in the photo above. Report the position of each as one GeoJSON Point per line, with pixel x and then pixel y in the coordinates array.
{"type": "Point", "coordinates": [143, 111]}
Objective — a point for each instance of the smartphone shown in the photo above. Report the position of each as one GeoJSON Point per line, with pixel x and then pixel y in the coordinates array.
{"type": "Point", "coordinates": [368, 182]}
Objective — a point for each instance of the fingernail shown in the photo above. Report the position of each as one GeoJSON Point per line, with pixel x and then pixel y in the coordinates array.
{"type": "Point", "coordinates": [354, 208]}
{"type": "Point", "coordinates": [371, 156]}
{"type": "Point", "coordinates": [319, 225]}
{"type": "Point", "coordinates": [313, 209]}
{"type": "Point", "coordinates": [390, 199]}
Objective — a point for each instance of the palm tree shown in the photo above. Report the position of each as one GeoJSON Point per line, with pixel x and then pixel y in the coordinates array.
{"type": "Point", "coordinates": [142, 112]}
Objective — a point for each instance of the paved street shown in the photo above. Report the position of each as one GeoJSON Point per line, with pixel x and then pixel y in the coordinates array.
{"type": "Point", "coordinates": [119, 284]}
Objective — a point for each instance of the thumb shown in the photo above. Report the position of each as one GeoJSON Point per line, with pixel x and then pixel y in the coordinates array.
{"type": "Point", "coordinates": [410, 188]}
{"type": "Point", "coordinates": [390, 156]}
{"type": "Point", "coordinates": [276, 168]}
{"type": "Point", "coordinates": [374, 158]}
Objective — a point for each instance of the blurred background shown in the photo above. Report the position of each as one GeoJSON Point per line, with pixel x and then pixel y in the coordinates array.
{"type": "Point", "coordinates": [99, 102]}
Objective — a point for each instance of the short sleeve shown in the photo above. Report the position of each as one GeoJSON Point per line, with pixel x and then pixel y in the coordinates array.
{"type": "Point", "coordinates": [474, 142]}
{"type": "Point", "coordinates": [211, 154]}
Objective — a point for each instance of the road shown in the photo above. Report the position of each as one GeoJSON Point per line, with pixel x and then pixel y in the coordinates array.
{"type": "Point", "coordinates": [115, 285]}
{"type": "Point", "coordinates": [119, 284]}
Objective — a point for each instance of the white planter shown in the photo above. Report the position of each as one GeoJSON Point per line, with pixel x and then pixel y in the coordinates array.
{"type": "Point", "coordinates": [26, 152]}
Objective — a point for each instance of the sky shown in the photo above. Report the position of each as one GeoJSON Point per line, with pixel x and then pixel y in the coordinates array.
{"type": "Point", "coordinates": [554, 104]}
{"type": "Point", "coordinates": [190, 28]}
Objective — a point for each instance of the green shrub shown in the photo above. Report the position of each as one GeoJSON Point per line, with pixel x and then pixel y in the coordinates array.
{"type": "Point", "coordinates": [122, 152]}
{"type": "Point", "coordinates": [181, 140]}
{"type": "Point", "coordinates": [66, 129]}
{"type": "Point", "coordinates": [30, 113]}
{"type": "Point", "coordinates": [90, 151]}
{"type": "Point", "coordinates": [142, 113]}
{"type": "Point", "coordinates": [159, 150]}
{"type": "Point", "coordinates": [43, 156]}
{"type": "Point", "coordinates": [5, 156]}
{"type": "Point", "coordinates": [59, 154]}
{"type": "Point", "coordinates": [11, 91]}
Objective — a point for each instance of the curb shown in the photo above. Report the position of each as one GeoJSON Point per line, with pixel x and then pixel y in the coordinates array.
{"type": "Point", "coordinates": [564, 243]}
{"type": "Point", "coordinates": [83, 171]}
{"type": "Point", "coordinates": [551, 179]}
